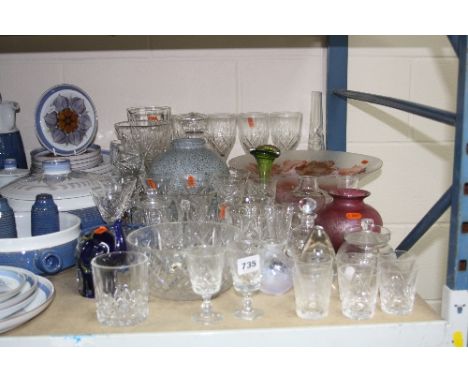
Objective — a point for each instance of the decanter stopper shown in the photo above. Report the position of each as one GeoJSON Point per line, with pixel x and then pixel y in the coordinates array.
{"type": "Point", "coordinates": [265, 155]}
{"type": "Point", "coordinates": [317, 246]}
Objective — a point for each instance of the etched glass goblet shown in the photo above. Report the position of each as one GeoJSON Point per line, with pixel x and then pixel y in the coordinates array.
{"type": "Point", "coordinates": [221, 133]}
{"type": "Point", "coordinates": [285, 129]}
{"type": "Point", "coordinates": [253, 130]}
{"type": "Point", "coordinates": [205, 267]}
{"type": "Point", "coordinates": [245, 261]}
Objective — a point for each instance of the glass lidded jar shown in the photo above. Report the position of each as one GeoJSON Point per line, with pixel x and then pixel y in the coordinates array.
{"type": "Point", "coordinates": [368, 239]}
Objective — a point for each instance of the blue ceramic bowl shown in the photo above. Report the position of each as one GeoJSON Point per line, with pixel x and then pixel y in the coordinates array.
{"type": "Point", "coordinates": [44, 254]}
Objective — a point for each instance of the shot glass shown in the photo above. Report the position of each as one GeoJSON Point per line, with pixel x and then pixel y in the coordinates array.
{"type": "Point", "coordinates": [357, 280]}
{"type": "Point", "coordinates": [121, 288]}
{"type": "Point", "coordinates": [398, 283]}
{"type": "Point", "coordinates": [312, 287]}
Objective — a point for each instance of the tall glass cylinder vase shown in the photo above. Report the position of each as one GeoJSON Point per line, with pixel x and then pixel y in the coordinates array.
{"type": "Point", "coordinates": [316, 134]}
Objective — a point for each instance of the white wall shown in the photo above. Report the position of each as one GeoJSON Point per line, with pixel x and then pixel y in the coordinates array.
{"type": "Point", "coordinates": [417, 153]}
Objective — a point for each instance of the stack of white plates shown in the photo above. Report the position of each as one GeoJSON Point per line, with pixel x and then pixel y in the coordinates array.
{"type": "Point", "coordinates": [104, 168]}
{"type": "Point", "coordinates": [23, 295]}
{"type": "Point", "coordinates": [89, 159]}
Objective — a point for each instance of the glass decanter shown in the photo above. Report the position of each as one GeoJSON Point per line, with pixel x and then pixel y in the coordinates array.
{"type": "Point", "coordinates": [300, 231]}
{"type": "Point", "coordinates": [308, 187]}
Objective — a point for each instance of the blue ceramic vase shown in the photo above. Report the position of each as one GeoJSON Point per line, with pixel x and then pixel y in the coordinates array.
{"type": "Point", "coordinates": [44, 216]}
{"type": "Point", "coordinates": [7, 220]}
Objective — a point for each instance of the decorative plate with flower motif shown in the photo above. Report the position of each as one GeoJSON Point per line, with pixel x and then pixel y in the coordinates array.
{"type": "Point", "coordinates": [66, 120]}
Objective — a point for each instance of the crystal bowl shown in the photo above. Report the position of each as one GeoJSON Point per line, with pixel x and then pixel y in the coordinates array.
{"type": "Point", "coordinates": [166, 245]}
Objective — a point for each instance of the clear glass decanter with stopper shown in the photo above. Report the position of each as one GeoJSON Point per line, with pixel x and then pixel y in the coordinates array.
{"type": "Point", "coordinates": [308, 187]}
{"type": "Point", "coordinates": [303, 223]}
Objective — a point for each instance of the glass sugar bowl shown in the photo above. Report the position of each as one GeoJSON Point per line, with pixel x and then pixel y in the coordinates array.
{"type": "Point", "coordinates": [368, 239]}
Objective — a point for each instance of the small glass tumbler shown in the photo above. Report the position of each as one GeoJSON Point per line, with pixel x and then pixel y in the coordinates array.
{"type": "Point", "coordinates": [253, 130]}
{"type": "Point", "coordinates": [316, 134]}
{"type": "Point", "coordinates": [190, 125]}
{"type": "Point", "coordinates": [121, 288]}
{"type": "Point", "coordinates": [357, 280]}
{"type": "Point", "coordinates": [285, 129]}
{"type": "Point", "coordinates": [312, 287]}
{"type": "Point", "coordinates": [149, 114]}
{"type": "Point", "coordinates": [397, 283]}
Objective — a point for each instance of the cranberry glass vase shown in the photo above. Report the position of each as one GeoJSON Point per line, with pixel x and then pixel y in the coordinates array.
{"type": "Point", "coordinates": [344, 212]}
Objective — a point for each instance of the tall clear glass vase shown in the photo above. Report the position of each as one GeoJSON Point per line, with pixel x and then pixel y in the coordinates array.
{"type": "Point", "coordinates": [316, 133]}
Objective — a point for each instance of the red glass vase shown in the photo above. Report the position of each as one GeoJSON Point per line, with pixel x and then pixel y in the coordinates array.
{"type": "Point", "coordinates": [344, 212]}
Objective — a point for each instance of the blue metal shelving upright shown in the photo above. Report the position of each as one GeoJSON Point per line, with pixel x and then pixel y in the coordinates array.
{"type": "Point", "coordinates": [456, 196]}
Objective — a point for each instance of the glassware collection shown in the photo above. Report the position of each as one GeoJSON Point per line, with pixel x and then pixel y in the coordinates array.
{"type": "Point", "coordinates": [178, 222]}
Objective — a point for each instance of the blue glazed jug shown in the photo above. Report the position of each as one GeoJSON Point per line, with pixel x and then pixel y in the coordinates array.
{"type": "Point", "coordinates": [11, 144]}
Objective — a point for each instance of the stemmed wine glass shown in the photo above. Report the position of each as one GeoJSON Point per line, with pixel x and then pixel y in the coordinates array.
{"type": "Point", "coordinates": [285, 129]}
{"type": "Point", "coordinates": [113, 197]}
{"type": "Point", "coordinates": [221, 133]}
{"type": "Point", "coordinates": [253, 130]}
{"type": "Point", "coordinates": [245, 262]}
{"type": "Point", "coordinates": [205, 267]}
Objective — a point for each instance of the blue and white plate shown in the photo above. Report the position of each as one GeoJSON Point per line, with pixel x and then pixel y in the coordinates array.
{"type": "Point", "coordinates": [11, 282]}
{"type": "Point", "coordinates": [66, 120]}
{"type": "Point", "coordinates": [28, 289]}
{"type": "Point", "coordinates": [44, 296]}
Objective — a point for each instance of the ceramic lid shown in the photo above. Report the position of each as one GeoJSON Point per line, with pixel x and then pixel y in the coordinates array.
{"type": "Point", "coordinates": [66, 120]}
{"type": "Point", "coordinates": [56, 179]}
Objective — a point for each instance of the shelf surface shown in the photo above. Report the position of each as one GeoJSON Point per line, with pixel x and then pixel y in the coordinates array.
{"type": "Point", "coordinates": [71, 321]}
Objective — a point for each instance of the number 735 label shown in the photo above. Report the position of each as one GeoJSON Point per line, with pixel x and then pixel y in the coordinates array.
{"type": "Point", "coordinates": [248, 265]}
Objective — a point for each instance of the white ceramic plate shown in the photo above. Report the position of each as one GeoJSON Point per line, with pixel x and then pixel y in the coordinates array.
{"type": "Point", "coordinates": [104, 168]}
{"type": "Point", "coordinates": [20, 305]}
{"type": "Point", "coordinates": [26, 291]}
{"type": "Point", "coordinates": [11, 282]}
{"type": "Point", "coordinates": [43, 298]}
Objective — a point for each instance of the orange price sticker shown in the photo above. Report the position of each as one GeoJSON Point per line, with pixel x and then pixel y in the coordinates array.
{"type": "Point", "coordinates": [191, 181]}
{"type": "Point", "coordinates": [150, 183]}
{"type": "Point", "coordinates": [100, 230]}
{"type": "Point", "coordinates": [222, 212]}
{"type": "Point", "coordinates": [251, 122]}
{"type": "Point", "coordinates": [353, 215]}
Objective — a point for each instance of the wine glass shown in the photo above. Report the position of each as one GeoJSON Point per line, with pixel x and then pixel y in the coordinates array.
{"type": "Point", "coordinates": [285, 129]}
{"type": "Point", "coordinates": [221, 133]}
{"type": "Point", "coordinates": [253, 130]}
{"type": "Point", "coordinates": [113, 197]}
{"type": "Point", "coordinates": [245, 261]}
{"type": "Point", "coordinates": [205, 267]}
